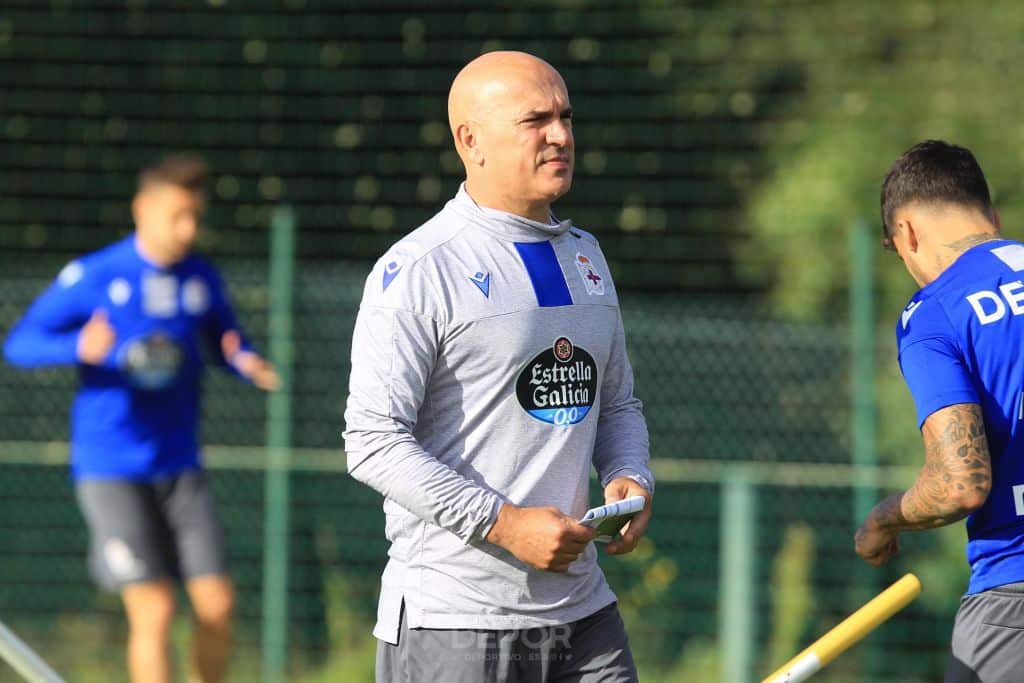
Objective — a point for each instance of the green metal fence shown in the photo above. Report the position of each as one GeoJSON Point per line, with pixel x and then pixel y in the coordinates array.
{"type": "Point", "coordinates": [749, 557]}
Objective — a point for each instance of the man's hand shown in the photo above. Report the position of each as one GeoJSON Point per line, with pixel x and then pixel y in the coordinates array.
{"type": "Point", "coordinates": [875, 544]}
{"type": "Point", "coordinates": [543, 538]}
{"type": "Point", "coordinates": [95, 339]}
{"type": "Point", "coordinates": [620, 489]}
{"type": "Point", "coordinates": [250, 365]}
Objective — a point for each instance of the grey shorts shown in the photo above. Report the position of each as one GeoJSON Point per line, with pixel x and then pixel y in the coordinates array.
{"type": "Point", "coordinates": [148, 531]}
{"type": "Point", "coordinates": [988, 637]}
{"type": "Point", "coordinates": [592, 650]}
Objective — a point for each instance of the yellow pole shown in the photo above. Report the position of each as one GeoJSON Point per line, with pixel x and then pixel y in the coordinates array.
{"type": "Point", "coordinates": [849, 631]}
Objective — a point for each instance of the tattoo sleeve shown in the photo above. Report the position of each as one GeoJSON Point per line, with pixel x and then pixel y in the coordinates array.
{"type": "Point", "coordinates": [956, 476]}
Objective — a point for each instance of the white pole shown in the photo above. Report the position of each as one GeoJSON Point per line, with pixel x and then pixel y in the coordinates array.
{"type": "Point", "coordinates": [26, 662]}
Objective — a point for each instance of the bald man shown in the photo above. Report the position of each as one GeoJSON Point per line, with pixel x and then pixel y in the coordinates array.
{"type": "Point", "coordinates": [489, 374]}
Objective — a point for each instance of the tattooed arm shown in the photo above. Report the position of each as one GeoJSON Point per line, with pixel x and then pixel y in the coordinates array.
{"type": "Point", "coordinates": [954, 481]}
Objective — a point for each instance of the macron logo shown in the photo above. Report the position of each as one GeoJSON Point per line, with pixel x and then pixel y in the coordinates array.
{"type": "Point", "coordinates": [391, 272]}
{"type": "Point", "coordinates": [482, 282]}
{"type": "Point", "coordinates": [909, 312]}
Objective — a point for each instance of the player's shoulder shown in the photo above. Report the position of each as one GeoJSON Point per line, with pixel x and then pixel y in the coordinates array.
{"type": "Point", "coordinates": [1007, 254]}
{"type": "Point", "coordinates": [584, 236]}
{"type": "Point", "coordinates": [987, 264]}
{"type": "Point", "coordinates": [924, 317]}
{"type": "Point", "coordinates": [982, 285]}
{"type": "Point", "coordinates": [400, 271]}
{"type": "Point", "coordinates": [98, 265]}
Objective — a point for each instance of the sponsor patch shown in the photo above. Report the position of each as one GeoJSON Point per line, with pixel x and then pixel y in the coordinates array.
{"type": "Point", "coordinates": [559, 385]}
{"type": "Point", "coordinates": [591, 279]}
{"type": "Point", "coordinates": [151, 362]}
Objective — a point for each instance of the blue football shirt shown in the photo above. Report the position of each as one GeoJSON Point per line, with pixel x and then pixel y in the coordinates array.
{"type": "Point", "coordinates": [134, 417]}
{"type": "Point", "coordinates": [960, 340]}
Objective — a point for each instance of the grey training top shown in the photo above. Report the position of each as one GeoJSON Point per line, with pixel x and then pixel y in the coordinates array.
{"type": "Point", "coordinates": [488, 365]}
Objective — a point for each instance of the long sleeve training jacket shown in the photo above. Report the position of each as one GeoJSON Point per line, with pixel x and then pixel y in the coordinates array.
{"type": "Point", "coordinates": [488, 365]}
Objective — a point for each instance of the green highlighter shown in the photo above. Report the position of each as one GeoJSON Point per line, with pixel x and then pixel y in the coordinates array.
{"type": "Point", "coordinates": [609, 519]}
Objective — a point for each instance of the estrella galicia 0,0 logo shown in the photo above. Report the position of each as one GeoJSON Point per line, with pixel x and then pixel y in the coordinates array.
{"type": "Point", "coordinates": [559, 385]}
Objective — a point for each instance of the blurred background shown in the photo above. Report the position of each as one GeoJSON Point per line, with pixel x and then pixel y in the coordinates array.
{"type": "Point", "coordinates": [729, 156]}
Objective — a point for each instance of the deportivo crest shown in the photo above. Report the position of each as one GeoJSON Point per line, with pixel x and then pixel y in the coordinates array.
{"type": "Point", "coordinates": [591, 280]}
{"type": "Point", "coordinates": [559, 385]}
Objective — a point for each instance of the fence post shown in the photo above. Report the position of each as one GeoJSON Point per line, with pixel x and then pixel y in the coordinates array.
{"type": "Point", "coordinates": [863, 410]}
{"type": "Point", "coordinates": [279, 418]}
{"type": "Point", "coordinates": [862, 370]}
{"type": "Point", "coordinates": [736, 621]}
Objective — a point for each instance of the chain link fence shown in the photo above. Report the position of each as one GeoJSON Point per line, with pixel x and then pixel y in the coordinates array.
{"type": "Point", "coordinates": [726, 389]}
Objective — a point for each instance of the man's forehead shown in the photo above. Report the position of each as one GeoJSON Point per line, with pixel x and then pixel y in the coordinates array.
{"type": "Point", "coordinates": [170, 193]}
{"type": "Point", "coordinates": [537, 94]}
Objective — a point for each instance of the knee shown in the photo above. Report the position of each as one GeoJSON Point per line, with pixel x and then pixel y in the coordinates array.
{"type": "Point", "coordinates": [150, 612]}
{"type": "Point", "coordinates": [215, 605]}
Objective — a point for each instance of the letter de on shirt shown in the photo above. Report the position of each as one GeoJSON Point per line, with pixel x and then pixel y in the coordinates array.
{"type": "Point", "coordinates": [989, 306]}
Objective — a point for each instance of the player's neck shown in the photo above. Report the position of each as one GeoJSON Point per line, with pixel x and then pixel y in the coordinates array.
{"type": "Point", "coordinates": [949, 247]}
{"type": "Point", "coordinates": [960, 243]}
{"type": "Point", "coordinates": [534, 211]}
{"type": "Point", "coordinates": [153, 253]}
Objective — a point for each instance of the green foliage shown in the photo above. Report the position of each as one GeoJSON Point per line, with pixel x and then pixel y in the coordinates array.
{"type": "Point", "coordinates": [700, 661]}
{"type": "Point", "coordinates": [791, 593]}
{"type": "Point", "coordinates": [920, 72]}
{"type": "Point", "coordinates": [643, 581]}
{"type": "Point", "coordinates": [352, 645]}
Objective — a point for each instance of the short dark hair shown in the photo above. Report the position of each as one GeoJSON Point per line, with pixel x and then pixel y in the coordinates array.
{"type": "Point", "coordinates": [933, 171]}
{"type": "Point", "coordinates": [187, 171]}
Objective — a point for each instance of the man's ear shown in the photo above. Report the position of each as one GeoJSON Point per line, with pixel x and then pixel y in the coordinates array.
{"type": "Point", "coordinates": [468, 142]}
{"type": "Point", "coordinates": [137, 203]}
{"type": "Point", "coordinates": [905, 224]}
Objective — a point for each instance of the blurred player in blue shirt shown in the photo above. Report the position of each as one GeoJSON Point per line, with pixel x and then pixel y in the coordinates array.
{"type": "Point", "coordinates": [136, 318]}
{"type": "Point", "coordinates": [960, 340]}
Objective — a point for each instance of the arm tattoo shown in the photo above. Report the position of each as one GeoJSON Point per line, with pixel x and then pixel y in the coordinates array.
{"type": "Point", "coordinates": [965, 243]}
{"type": "Point", "coordinates": [957, 469]}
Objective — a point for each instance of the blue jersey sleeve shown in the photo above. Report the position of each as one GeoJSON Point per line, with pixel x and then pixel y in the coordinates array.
{"type": "Point", "coordinates": [220, 319]}
{"type": "Point", "coordinates": [932, 361]}
{"type": "Point", "coordinates": [48, 332]}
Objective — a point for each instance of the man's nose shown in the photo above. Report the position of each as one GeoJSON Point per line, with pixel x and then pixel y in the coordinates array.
{"type": "Point", "coordinates": [188, 228]}
{"type": "Point", "coordinates": [559, 133]}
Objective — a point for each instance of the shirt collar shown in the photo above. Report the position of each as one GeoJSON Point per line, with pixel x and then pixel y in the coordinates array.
{"type": "Point", "coordinates": [504, 224]}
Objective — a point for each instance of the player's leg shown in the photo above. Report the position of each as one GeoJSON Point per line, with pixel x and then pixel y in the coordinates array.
{"type": "Point", "coordinates": [130, 553]}
{"type": "Point", "coordinates": [213, 600]}
{"type": "Point", "coordinates": [988, 637]}
{"type": "Point", "coordinates": [202, 555]}
{"type": "Point", "coordinates": [150, 610]}
{"type": "Point", "coordinates": [595, 650]}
